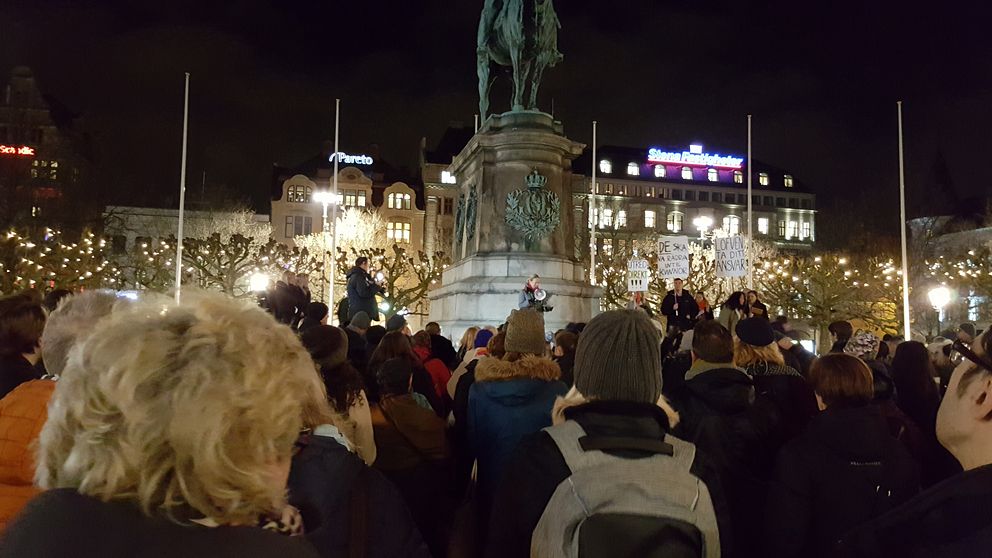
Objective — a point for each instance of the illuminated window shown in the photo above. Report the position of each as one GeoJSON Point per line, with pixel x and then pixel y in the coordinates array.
{"type": "Point", "coordinates": [621, 218]}
{"type": "Point", "coordinates": [650, 192]}
{"type": "Point", "coordinates": [781, 228]}
{"type": "Point", "coordinates": [299, 194]}
{"type": "Point", "coordinates": [792, 231]}
{"type": "Point", "coordinates": [607, 219]}
{"type": "Point", "coordinates": [712, 175]}
{"type": "Point", "coordinates": [763, 225]}
{"type": "Point", "coordinates": [621, 190]}
{"type": "Point", "coordinates": [53, 173]}
{"type": "Point", "coordinates": [448, 178]}
{"type": "Point", "coordinates": [609, 188]}
{"type": "Point", "coordinates": [608, 247]}
{"type": "Point", "coordinates": [397, 200]}
{"type": "Point", "coordinates": [397, 231]}
{"type": "Point", "coordinates": [805, 232]}
{"type": "Point", "coordinates": [675, 221]}
{"type": "Point", "coordinates": [732, 224]}
{"type": "Point", "coordinates": [633, 169]}
{"type": "Point", "coordinates": [55, 164]}
{"type": "Point", "coordinates": [34, 173]}
{"type": "Point", "coordinates": [738, 177]}
{"type": "Point", "coordinates": [44, 163]}
{"type": "Point", "coordinates": [686, 173]}
{"type": "Point", "coordinates": [361, 198]}
{"type": "Point", "coordinates": [763, 178]}
{"type": "Point", "coordinates": [649, 219]}
{"type": "Point", "coordinates": [350, 198]}
{"type": "Point", "coordinates": [659, 171]}
{"type": "Point", "coordinates": [605, 166]}
{"type": "Point", "coordinates": [788, 181]}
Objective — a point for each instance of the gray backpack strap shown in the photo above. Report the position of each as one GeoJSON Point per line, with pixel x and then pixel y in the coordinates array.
{"type": "Point", "coordinates": [566, 436]}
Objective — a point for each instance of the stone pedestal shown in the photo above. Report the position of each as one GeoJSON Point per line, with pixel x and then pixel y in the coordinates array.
{"type": "Point", "coordinates": [523, 155]}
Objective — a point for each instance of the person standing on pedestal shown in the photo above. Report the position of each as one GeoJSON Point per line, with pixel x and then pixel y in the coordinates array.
{"type": "Point", "coordinates": [679, 307]}
{"type": "Point", "coordinates": [533, 296]}
{"type": "Point", "coordinates": [362, 290]}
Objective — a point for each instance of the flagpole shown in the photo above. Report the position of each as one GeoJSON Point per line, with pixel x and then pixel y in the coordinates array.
{"type": "Point", "coordinates": [902, 230]}
{"type": "Point", "coordinates": [592, 212]}
{"type": "Point", "coordinates": [182, 197]}
{"type": "Point", "coordinates": [334, 208]}
{"type": "Point", "coordinates": [750, 229]}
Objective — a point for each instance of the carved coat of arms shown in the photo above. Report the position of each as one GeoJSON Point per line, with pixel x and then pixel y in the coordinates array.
{"type": "Point", "coordinates": [534, 210]}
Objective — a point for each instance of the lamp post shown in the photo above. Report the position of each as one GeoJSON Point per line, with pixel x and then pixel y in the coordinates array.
{"type": "Point", "coordinates": [326, 198]}
{"type": "Point", "coordinates": [939, 298]}
{"type": "Point", "coordinates": [702, 223]}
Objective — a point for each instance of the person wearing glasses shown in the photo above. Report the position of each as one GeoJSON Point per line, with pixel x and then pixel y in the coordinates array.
{"type": "Point", "coordinates": [951, 518]}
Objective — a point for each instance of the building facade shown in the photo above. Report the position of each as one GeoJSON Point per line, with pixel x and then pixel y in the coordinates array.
{"type": "Point", "coordinates": [645, 192]}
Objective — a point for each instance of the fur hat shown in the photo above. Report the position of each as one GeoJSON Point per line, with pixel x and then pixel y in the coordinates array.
{"type": "Point", "coordinates": [328, 345]}
{"type": "Point", "coordinates": [619, 358]}
{"type": "Point", "coordinates": [525, 332]}
{"type": "Point", "coordinates": [756, 332]}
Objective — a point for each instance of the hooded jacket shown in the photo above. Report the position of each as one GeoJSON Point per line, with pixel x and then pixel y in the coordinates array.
{"type": "Point", "coordinates": [23, 413]}
{"type": "Point", "coordinates": [437, 370]}
{"type": "Point", "coordinates": [508, 401]}
{"type": "Point", "coordinates": [361, 294]}
{"type": "Point", "coordinates": [843, 471]}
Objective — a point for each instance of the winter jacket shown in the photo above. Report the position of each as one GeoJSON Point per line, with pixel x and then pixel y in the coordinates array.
{"type": "Point", "coordinates": [843, 471]}
{"type": "Point", "coordinates": [470, 356]}
{"type": "Point", "coordinates": [14, 371]}
{"type": "Point", "coordinates": [442, 348]}
{"type": "Point", "coordinates": [22, 415]}
{"type": "Point", "coordinates": [536, 468]}
{"type": "Point", "coordinates": [63, 522]}
{"type": "Point", "coordinates": [361, 294]}
{"type": "Point", "coordinates": [508, 401]}
{"type": "Point", "coordinates": [566, 363]}
{"type": "Point", "coordinates": [358, 354]}
{"type": "Point", "coordinates": [759, 310]}
{"type": "Point", "coordinates": [322, 484]}
{"type": "Point", "coordinates": [950, 519]}
{"type": "Point", "coordinates": [720, 413]}
{"type": "Point", "coordinates": [682, 317]}
{"type": "Point", "coordinates": [436, 368]}
{"type": "Point", "coordinates": [802, 359]}
{"type": "Point", "coordinates": [728, 319]}
{"type": "Point", "coordinates": [790, 392]}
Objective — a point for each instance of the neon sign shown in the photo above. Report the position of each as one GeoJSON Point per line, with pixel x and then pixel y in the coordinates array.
{"type": "Point", "coordinates": [350, 159]}
{"type": "Point", "coordinates": [22, 151]}
{"type": "Point", "coordinates": [694, 157]}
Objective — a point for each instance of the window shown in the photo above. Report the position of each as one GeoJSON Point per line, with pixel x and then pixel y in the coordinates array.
{"type": "Point", "coordinates": [741, 199]}
{"type": "Point", "coordinates": [118, 244]}
{"type": "Point", "coordinates": [621, 218]}
{"type": "Point", "coordinates": [690, 195]}
{"type": "Point", "coordinates": [54, 164]}
{"type": "Point", "coordinates": [779, 202]}
{"type": "Point", "coordinates": [633, 169]}
{"type": "Point", "coordinates": [397, 231]}
{"type": "Point", "coordinates": [769, 201]}
{"type": "Point", "coordinates": [34, 173]}
{"type": "Point", "coordinates": [705, 196]}
{"type": "Point", "coordinates": [675, 220]}
{"type": "Point", "coordinates": [297, 225]}
{"type": "Point", "coordinates": [659, 171]}
{"type": "Point", "coordinates": [762, 225]}
{"type": "Point", "coordinates": [448, 178]}
{"type": "Point", "coordinates": [676, 194]}
{"type": "Point", "coordinates": [763, 178]}
{"type": "Point", "coordinates": [794, 203]}
{"type": "Point", "coordinates": [350, 198]}
{"type": "Point", "coordinates": [788, 181]}
{"type": "Point", "coordinates": [609, 188]}
{"type": "Point", "coordinates": [805, 231]}
{"type": "Point", "coordinates": [756, 200]}
{"type": "Point", "coordinates": [650, 192]}
{"type": "Point", "coordinates": [605, 166]}
{"type": "Point", "coordinates": [732, 224]}
{"type": "Point", "coordinates": [792, 231]}
{"type": "Point", "coordinates": [607, 219]}
{"type": "Point", "coordinates": [717, 197]}
{"type": "Point", "coordinates": [738, 177]}
{"type": "Point", "coordinates": [621, 190]}
{"type": "Point", "coordinates": [807, 204]}
{"type": "Point", "coordinates": [712, 175]}
{"type": "Point", "coordinates": [781, 228]}
{"type": "Point", "coordinates": [447, 206]}
{"type": "Point", "coordinates": [299, 193]}
{"type": "Point", "coordinates": [397, 200]}
{"type": "Point", "coordinates": [686, 173]}
{"type": "Point", "coordinates": [649, 219]}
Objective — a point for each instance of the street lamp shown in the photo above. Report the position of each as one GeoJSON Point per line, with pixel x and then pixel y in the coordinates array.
{"type": "Point", "coordinates": [326, 198]}
{"type": "Point", "coordinates": [703, 223]}
{"type": "Point", "coordinates": [258, 282]}
{"type": "Point", "coordinates": [939, 298]}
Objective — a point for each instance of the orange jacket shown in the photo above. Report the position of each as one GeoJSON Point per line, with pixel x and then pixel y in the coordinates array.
{"type": "Point", "coordinates": [22, 414]}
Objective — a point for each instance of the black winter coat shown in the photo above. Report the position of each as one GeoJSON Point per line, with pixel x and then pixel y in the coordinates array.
{"type": "Point", "coordinates": [792, 394]}
{"type": "Point", "coordinates": [951, 519]}
{"type": "Point", "coordinates": [537, 467]}
{"type": "Point", "coordinates": [684, 316]}
{"type": "Point", "coordinates": [358, 354]}
{"type": "Point", "coordinates": [719, 412]}
{"type": "Point", "coordinates": [442, 348]}
{"type": "Point", "coordinates": [14, 371]}
{"type": "Point", "coordinates": [321, 481]}
{"type": "Point", "coordinates": [361, 294]}
{"type": "Point", "coordinates": [63, 522]}
{"type": "Point", "coordinates": [843, 471]}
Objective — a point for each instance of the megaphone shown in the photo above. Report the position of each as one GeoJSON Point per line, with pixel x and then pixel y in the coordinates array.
{"type": "Point", "coordinates": [540, 294]}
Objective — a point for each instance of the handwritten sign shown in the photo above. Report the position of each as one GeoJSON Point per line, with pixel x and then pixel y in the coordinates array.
{"type": "Point", "coordinates": [673, 257]}
{"type": "Point", "coordinates": [638, 276]}
{"type": "Point", "coordinates": [731, 256]}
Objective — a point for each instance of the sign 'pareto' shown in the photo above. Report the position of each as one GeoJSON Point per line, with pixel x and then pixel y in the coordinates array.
{"type": "Point", "coordinates": [350, 159]}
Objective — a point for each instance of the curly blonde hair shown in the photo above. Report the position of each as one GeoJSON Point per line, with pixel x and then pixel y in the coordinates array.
{"type": "Point", "coordinates": [184, 410]}
{"type": "Point", "coordinates": [746, 355]}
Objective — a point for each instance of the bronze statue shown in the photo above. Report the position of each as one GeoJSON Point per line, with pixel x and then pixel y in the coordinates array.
{"type": "Point", "coordinates": [522, 34]}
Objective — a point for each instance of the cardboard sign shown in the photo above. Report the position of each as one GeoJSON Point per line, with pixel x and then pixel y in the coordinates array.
{"type": "Point", "coordinates": [673, 257]}
{"type": "Point", "coordinates": [638, 276]}
{"type": "Point", "coordinates": [731, 256]}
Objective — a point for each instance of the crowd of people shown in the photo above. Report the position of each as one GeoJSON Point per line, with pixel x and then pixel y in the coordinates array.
{"type": "Point", "coordinates": [215, 427]}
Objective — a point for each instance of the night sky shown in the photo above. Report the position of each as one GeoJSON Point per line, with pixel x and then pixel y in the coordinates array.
{"type": "Point", "coordinates": [820, 78]}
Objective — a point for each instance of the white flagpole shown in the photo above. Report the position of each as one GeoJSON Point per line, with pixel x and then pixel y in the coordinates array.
{"type": "Point", "coordinates": [334, 208]}
{"type": "Point", "coordinates": [750, 229]}
{"type": "Point", "coordinates": [182, 197]}
{"type": "Point", "coordinates": [902, 230]}
{"type": "Point", "coordinates": [592, 212]}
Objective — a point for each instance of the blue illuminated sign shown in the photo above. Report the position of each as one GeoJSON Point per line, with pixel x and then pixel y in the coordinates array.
{"type": "Point", "coordinates": [694, 157]}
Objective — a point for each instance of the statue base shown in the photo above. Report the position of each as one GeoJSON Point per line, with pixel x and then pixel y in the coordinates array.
{"type": "Point", "coordinates": [482, 290]}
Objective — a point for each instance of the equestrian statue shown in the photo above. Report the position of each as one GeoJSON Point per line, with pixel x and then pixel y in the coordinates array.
{"type": "Point", "coordinates": [522, 34]}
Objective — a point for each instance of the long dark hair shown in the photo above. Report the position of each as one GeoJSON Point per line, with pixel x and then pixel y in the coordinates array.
{"type": "Point", "coordinates": [393, 345]}
{"type": "Point", "coordinates": [734, 301]}
{"type": "Point", "coordinates": [916, 392]}
{"type": "Point", "coordinates": [344, 385]}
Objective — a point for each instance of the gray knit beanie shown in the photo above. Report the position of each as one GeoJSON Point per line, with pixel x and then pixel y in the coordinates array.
{"type": "Point", "coordinates": [525, 332]}
{"type": "Point", "coordinates": [619, 358]}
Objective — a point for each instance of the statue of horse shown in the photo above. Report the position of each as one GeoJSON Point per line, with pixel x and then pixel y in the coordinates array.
{"type": "Point", "coordinates": [522, 34]}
